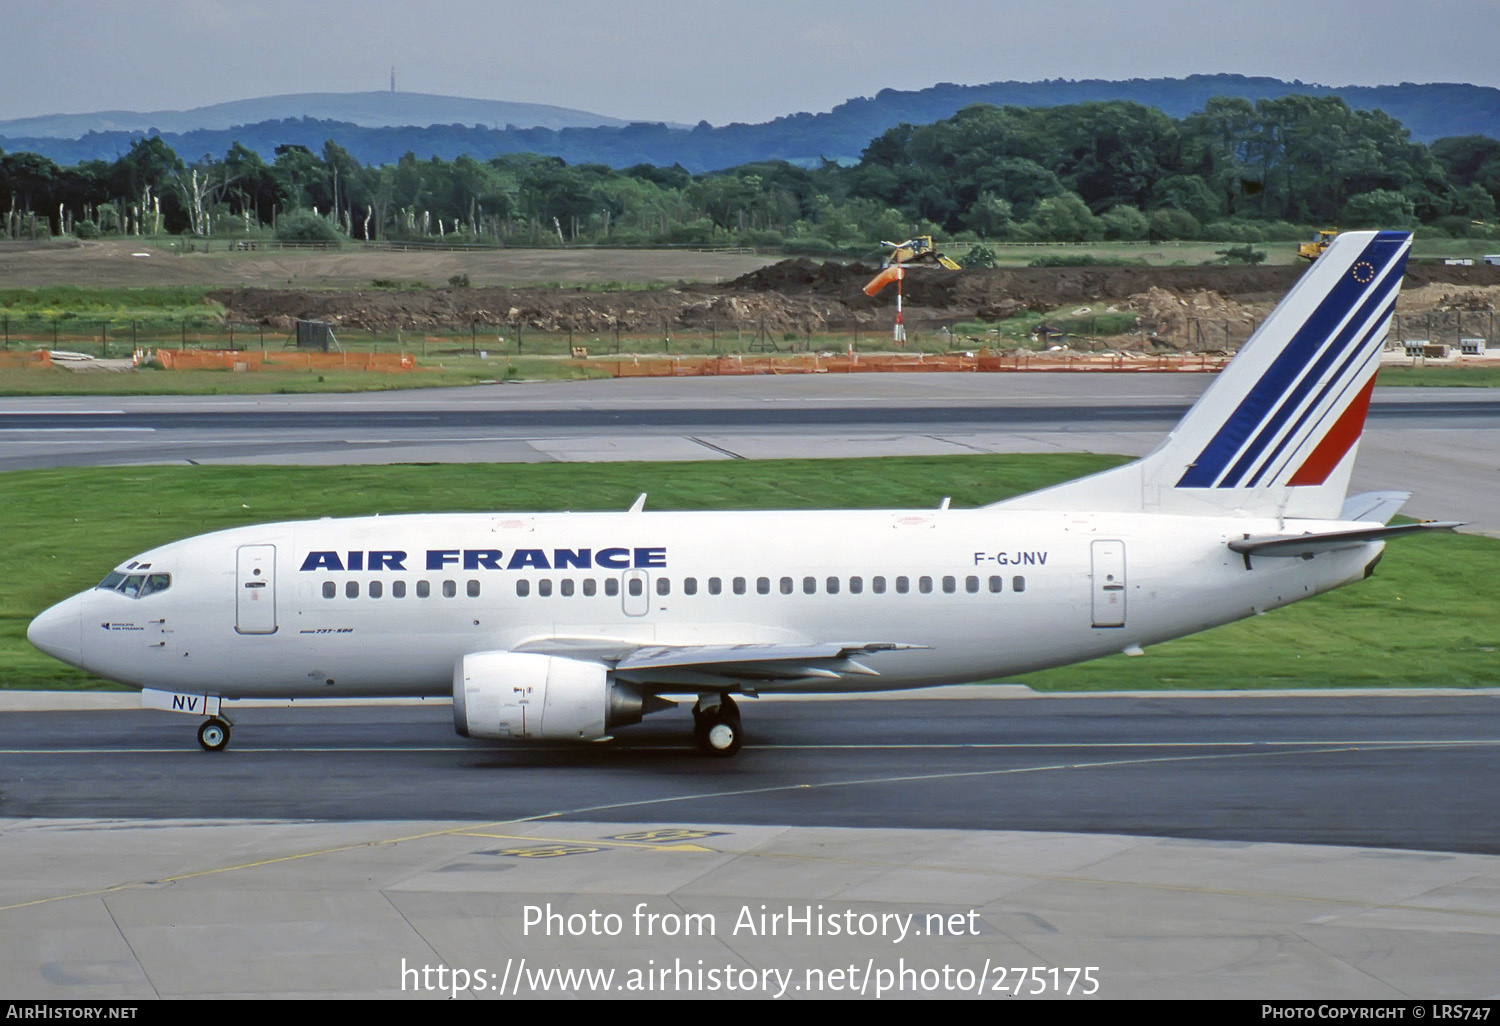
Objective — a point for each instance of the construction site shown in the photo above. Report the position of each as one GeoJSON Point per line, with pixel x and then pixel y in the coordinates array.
{"type": "Point", "coordinates": [621, 311]}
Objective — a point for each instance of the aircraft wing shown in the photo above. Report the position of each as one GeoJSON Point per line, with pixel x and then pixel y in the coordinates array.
{"type": "Point", "coordinates": [722, 665]}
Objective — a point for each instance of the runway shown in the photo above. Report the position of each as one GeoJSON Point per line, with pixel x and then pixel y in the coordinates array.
{"type": "Point", "coordinates": [1323, 769]}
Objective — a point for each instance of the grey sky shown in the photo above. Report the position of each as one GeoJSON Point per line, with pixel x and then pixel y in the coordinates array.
{"type": "Point", "coordinates": [680, 60]}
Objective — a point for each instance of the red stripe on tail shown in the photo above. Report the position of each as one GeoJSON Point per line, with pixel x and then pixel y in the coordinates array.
{"type": "Point", "coordinates": [1337, 443]}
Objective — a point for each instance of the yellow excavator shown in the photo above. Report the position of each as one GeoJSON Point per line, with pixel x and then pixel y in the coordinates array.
{"type": "Point", "coordinates": [919, 250]}
{"type": "Point", "coordinates": [1321, 241]}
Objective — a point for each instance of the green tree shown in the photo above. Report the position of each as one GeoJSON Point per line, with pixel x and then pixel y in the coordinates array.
{"type": "Point", "coordinates": [1382, 208]}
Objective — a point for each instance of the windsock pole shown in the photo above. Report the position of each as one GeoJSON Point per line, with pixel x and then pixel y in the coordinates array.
{"type": "Point", "coordinates": [894, 273]}
{"type": "Point", "coordinates": [898, 330]}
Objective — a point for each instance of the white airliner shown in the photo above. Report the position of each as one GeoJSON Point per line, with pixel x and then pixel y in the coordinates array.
{"type": "Point", "coordinates": [564, 626]}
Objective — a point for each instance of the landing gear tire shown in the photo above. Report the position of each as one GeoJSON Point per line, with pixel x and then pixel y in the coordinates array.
{"type": "Point", "coordinates": [717, 728]}
{"type": "Point", "coordinates": [213, 735]}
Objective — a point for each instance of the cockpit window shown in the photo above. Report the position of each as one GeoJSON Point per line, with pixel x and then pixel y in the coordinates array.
{"type": "Point", "coordinates": [136, 585]}
{"type": "Point", "coordinates": [155, 583]}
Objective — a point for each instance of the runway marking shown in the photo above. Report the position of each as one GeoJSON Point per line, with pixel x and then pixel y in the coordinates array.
{"type": "Point", "coordinates": [1331, 744]}
{"type": "Point", "coordinates": [607, 842]}
{"type": "Point", "coordinates": [715, 448]}
{"type": "Point", "coordinates": [75, 431]}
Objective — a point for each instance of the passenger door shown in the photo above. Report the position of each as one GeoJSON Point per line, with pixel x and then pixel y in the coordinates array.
{"type": "Point", "coordinates": [255, 590]}
{"type": "Point", "coordinates": [1109, 583]}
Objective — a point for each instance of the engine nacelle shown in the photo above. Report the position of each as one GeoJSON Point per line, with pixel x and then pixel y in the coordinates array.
{"type": "Point", "coordinates": [516, 696]}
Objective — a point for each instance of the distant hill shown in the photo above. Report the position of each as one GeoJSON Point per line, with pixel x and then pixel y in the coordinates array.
{"type": "Point", "coordinates": [370, 110]}
{"type": "Point", "coordinates": [1430, 112]}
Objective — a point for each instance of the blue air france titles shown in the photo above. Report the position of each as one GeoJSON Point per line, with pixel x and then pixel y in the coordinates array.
{"type": "Point", "coordinates": [617, 557]}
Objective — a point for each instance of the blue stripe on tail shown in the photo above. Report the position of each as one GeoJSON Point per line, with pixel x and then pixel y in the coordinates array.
{"type": "Point", "coordinates": [1272, 388]}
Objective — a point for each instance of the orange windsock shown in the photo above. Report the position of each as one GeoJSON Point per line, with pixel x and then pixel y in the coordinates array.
{"type": "Point", "coordinates": [884, 278]}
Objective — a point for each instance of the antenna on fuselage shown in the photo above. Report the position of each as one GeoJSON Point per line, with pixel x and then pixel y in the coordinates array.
{"type": "Point", "coordinates": [639, 503]}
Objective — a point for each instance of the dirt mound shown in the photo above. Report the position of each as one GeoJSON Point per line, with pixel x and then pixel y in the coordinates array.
{"type": "Point", "coordinates": [1200, 319]}
{"type": "Point", "coordinates": [1211, 307]}
{"type": "Point", "coordinates": [828, 278]}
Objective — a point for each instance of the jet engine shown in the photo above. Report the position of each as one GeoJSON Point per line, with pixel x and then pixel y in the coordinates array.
{"type": "Point", "coordinates": [516, 696]}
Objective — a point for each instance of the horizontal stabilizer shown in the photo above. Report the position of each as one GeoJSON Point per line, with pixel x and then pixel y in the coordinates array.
{"type": "Point", "coordinates": [1307, 545]}
{"type": "Point", "coordinates": [1377, 507]}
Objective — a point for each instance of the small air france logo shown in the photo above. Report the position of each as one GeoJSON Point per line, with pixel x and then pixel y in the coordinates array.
{"type": "Point", "coordinates": [1364, 271]}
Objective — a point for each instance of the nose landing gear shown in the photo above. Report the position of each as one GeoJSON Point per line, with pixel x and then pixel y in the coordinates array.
{"type": "Point", "coordinates": [716, 725]}
{"type": "Point", "coordinates": [213, 734]}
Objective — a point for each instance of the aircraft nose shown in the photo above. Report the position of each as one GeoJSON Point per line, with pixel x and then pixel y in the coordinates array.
{"type": "Point", "coordinates": [58, 631]}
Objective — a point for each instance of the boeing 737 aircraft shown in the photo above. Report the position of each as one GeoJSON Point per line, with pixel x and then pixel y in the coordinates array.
{"type": "Point", "coordinates": [564, 626]}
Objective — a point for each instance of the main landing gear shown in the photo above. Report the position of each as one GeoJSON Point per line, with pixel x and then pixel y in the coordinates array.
{"type": "Point", "coordinates": [716, 725]}
{"type": "Point", "coordinates": [213, 734]}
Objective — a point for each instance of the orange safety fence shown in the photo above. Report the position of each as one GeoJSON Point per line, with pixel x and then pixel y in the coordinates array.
{"type": "Point", "coordinates": [255, 360]}
{"type": "Point", "coordinates": [25, 358]}
{"type": "Point", "coordinates": [656, 367]}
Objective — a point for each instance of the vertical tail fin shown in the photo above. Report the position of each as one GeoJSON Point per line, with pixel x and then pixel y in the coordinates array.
{"type": "Point", "coordinates": [1276, 432]}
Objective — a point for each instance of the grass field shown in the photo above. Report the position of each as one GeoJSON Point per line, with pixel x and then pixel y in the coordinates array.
{"type": "Point", "coordinates": [1430, 616]}
{"type": "Point", "coordinates": [1485, 375]}
{"type": "Point", "coordinates": [434, 372]}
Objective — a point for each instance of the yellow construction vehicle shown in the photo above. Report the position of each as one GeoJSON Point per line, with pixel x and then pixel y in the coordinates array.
{"type": "Point", "coordinates": [1314, 249]}
{"type": "Point", "coordinates": [919, 250]}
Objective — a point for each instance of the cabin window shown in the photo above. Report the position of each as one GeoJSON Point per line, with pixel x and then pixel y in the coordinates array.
{"type": "Point", "coordinates": [376, 589]}
{"type": "Point", "coordinates": [523, 587]}
{"type": "Point", "coordinates": [739, 586]}
{"type": "Point", "coordinates": [351, 589]}
{"type": "Point", "coordinates": [809, 585]}
{"type": "Point", "coordinates": [473, 589]}
{"type": "Point", "coordinates": [1018, 584]}
{"type": "Point", "coordinates": [903, 585]}
{"type": "Point", "coordinates": [690, 585]}
{"type": "Point", "coordinates": [635, 587]}
{"type": "Point", "coordinates": [787, 586]}
{"type": "Point", "coordinates": [663, 586]}
{"type": "Point", "coordinates": [877, 585]}
{"type": "Point", "coordinates": [971, 585]}
{"type": "Point", "coordinates": [950, 585]}
{"type": "Point", "coordinates": [330, 590]}
{"type": "Point", "coordinates": [424, 588]}
{"type": "Point", "coordinates": [544, 587]}
{"type": "Point", "coordinates": [715, 586]}
{"type": "Point", "coordinates": [611, 586]}
{"type": "Point", "coordinates": [997, 584]}
{"type": "Point", "coordinates": [398, 589]}
{"type": "Point", "coordinates": [590, 586]}
{"type": "Point", "coordinates": [450, 589]}
{"type": "Point", "coordinates": [833, 585]}
{"type": "Point", "coordinates": [924, 585]}
{"type": "Point", "coordinates": [856, 585]}
{"type": "Point", "coordinates": [763, 586]}
{"type": "Point", "coordinates": [565, 587]}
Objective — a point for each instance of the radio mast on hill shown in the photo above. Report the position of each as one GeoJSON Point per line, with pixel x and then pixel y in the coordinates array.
{"type": "Point", "coordinates": [393, 78]}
